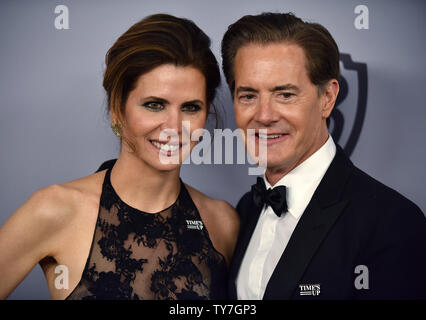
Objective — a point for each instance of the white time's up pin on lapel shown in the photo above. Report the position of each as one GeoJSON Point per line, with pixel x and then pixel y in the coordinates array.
{"type": "Point", "coordinates": [309, 289]}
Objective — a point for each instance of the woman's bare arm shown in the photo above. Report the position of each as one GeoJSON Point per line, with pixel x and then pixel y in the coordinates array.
{"type": "Point", "coordinates": [28, 236]}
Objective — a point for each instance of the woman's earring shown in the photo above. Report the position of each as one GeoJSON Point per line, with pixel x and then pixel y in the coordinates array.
{"type": "Point", "coordinates": [116, 129]}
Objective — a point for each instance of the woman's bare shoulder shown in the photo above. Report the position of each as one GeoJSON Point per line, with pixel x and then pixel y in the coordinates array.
{"type": "Point", "coordinates": [220, 208]}
{"type": "Point", "coordinates": [221, 220]}
{"type": "Point", "coordinates": [43, 224]}
{"type": "Point", "coordinates": [57, 203]}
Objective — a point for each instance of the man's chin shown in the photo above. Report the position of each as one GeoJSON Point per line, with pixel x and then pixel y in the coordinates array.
{"type": "Point", "coordinates": [277, 165]}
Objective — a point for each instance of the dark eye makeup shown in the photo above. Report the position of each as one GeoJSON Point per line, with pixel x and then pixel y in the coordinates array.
{"type": "Point", "coordinates": [160, 105]}
{"type": "Point", "coordinates": [153, 105]}
{"type": "Point", "coordinates": [191, 107]}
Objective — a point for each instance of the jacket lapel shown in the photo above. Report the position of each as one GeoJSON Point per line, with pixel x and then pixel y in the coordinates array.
{"type": "Point", "coordinates": [319, 217]}
{"type": "Point", "coordinates": [305, 241]}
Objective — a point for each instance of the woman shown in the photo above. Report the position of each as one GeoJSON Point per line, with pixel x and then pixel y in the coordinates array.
{"type": "Point", "coordinates": [135, 231]}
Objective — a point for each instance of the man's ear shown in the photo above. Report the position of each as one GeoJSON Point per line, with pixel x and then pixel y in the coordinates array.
{"type": "Point", "coordinates": [330, 92]}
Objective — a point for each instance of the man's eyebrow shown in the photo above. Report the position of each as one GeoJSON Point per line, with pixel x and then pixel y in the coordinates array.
{"type": "Point", "coordinates": [246, 89]}
{"type": "Point", "coordinates": [288, 86]}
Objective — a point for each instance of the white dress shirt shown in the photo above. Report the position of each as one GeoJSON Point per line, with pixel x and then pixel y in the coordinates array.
{"type": "Point", "coordinates": [272, 233]}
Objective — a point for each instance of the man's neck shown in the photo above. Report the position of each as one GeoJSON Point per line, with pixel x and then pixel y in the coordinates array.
{"type": "Point", "coordinates": [275, 174]}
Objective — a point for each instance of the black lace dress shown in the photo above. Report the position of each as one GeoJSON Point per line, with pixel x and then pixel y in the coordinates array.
{"type": "Point", "coordinates": [137, 255]}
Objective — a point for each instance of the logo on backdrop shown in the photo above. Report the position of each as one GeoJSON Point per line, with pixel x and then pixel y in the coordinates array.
{"type": "Point", "coordinates": [347, 118]}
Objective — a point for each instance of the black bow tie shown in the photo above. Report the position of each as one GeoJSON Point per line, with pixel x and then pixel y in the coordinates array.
{"type": "Point", "coordinates": [276, 197]}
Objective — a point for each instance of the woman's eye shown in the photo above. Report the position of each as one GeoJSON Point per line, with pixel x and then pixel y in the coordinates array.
{"type": "Point", "coordinates": [155, 106]}
{"type": "Point", "coordinates": [191, 108]}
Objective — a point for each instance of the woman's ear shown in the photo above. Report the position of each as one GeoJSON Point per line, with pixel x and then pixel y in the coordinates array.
{"type": "Point", "coordinates": [116, 125]}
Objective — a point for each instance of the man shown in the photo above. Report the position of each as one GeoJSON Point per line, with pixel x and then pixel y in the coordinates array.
{"type": "Point", "coordinates": [315, 226]}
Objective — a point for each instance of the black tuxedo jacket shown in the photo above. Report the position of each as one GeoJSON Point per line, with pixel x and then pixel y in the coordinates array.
{"type": "Point", "coordinates": [352, 220]}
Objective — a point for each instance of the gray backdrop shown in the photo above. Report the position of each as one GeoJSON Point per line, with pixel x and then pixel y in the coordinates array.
{"type": "Point", "coordinates": [53, 126]}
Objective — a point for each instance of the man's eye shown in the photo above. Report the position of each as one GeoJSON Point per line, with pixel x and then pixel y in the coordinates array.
{"type": "Point", "coordinates": [247, 97]}
{"type": "Point", "coordinates": [286, 95]}
{"type": "Point", "coordinates": [191, 108]}
{"type": "Point", "coordinates": [155, 106]}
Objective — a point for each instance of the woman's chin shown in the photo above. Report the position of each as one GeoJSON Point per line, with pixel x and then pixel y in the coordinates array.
{"type": "Point", "coordinates": [166, 162]}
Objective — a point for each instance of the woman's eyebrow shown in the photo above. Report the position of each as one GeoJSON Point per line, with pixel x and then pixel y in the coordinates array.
{"type": "Point", "coordinates": [156, 99]}
{"type": "Point", "coordinates": [194, 102]}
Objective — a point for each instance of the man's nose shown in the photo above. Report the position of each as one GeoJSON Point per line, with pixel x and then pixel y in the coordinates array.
{"type": "Point", "coordinates": [265, 113]}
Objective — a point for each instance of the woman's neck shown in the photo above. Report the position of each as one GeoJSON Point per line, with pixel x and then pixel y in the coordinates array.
{"type": "Point", "coordinates": [142, 186]}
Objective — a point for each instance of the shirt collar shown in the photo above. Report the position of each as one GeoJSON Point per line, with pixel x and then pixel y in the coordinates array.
{"type": "Point", "coordinates": [302, 181]}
